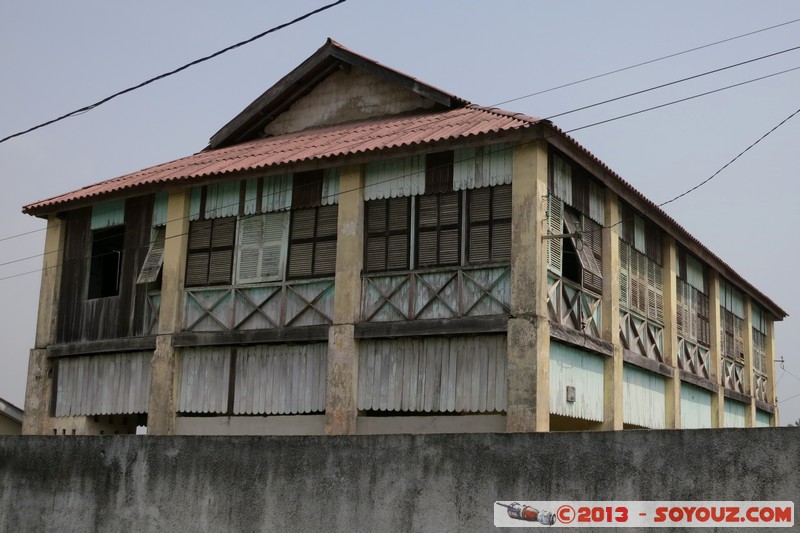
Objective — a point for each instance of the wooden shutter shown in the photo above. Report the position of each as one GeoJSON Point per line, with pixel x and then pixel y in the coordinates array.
{"type": "Point", "coordinates": [312, 247]}
{"type": "Point", "coordinates": [624, 274]}
{"type": "Point", "coordinates": [326, 231]}
{"type": "Point", "coordinates": [260, 248]}
{"type": "Point", "coordinates": [655, 291]}
{"type": "Point", "coordinates": [210, 256]}
{"type": "Point", "coordinates": [155, 257]}
{"type": "Point", "coordinates": [555, 226]}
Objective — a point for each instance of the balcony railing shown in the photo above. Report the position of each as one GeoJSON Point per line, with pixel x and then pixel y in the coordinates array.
{"type": "Point", "coordinates": [263, 306]}
{"type": "Point", "coordinates": [436, 294]}
{"type": "Point", "coordinates": [641, 336]}
{"type": "Point", "coordinates": [569, 304]}
{"type": "Point", "coordinates": [733, 375]}
{"type": "Point", "coordinates": [694, 358]}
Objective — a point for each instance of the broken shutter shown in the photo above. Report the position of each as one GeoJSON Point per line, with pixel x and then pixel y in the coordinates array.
{"type": "Point", "coordinates": [260, 249]}
{"type": "Point", "coordinates": [210, 256]}
{"type": "Point", "coordinates": [155, 257]}
{"type": "Point", "coordinates": [592, 275]}
{"type": "Point", "coordinates": [555, 226]}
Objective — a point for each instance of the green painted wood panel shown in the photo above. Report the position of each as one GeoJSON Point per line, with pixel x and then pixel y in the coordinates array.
{"type": "Point", "coordinates": [572, 367]}
{"type": "Point", "coordinates": [695, 407]}
{"type": "Point", "coordinates": [643, 398]}
{"type": "Point", "coordinates": [734, 414]}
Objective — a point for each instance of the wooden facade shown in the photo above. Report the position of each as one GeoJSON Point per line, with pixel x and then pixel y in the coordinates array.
{"type": "Point", "coordinates": [397, 283]}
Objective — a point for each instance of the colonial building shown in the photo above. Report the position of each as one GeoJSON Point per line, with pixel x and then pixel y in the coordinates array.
{"type": "Point", "coordinates": [359, 252]}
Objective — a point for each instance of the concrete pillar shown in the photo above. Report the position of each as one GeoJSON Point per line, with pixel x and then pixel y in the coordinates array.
{"type": "Point", "coordinates": [162, 402]}
{"type": "Point", "coordinates": [528, 341]}
{"type": "Point", "coordinates": [340, 403]}
{"type": "Point", "coordinates": [40, 369]}
{"type": "Point", "coordinates": [612, 387]}
{"type": "Point", "coordinates": [772, 390]}
{"type": "Point", "coordinates": [670, 335]}
{"type": "Point", "coordinates": [718, 399]}
{"type": "Point", "coordinates": [750, 411]}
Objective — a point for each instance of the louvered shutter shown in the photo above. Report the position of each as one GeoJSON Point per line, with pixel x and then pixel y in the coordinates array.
{"type": "Point", "coordinates": [655, 286]}
{"type": "Point", "coordinates": [449, 216]}
{"type": "Point", "coordinates": [427, 221]}
{"type": "Point", "coordinates": [198, 253]}
{"type": "Point", "coordinates": [624, 274]}
{"type": "Point", "coordinates": [260, 249]}
{"type": "Point", "coordinates": [376, 235]}
{"type": "Point", "coordinates": [273, 245]}
{"type": "Point", "coordinates": [555, 224]}
{"type": "Point", "coordinates": [397, 247]}
{"type": "Point", "coordinates": [680, 308]}
{"type": "Point", "coordinates": [155, 257]}
{"type": "Point", "coordinates": [501, 231]}
{"type": "Point", "coordinates": [300, 259]}
{"type": "Point", "coordinates": [479, 218]}
{"type": "Point", "coordinates": [249, 250]}
{"type": "Point", "coordinates": [325, 251]}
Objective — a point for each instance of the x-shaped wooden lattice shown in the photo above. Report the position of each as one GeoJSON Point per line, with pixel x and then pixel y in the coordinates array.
{"type": "Point", "coordinates": [258, 307]}
{"type": "Point", "coordinates": [310, 304]}
{"type": "Point", "coordinates": [386, 297]}
{"type": "Point", "coordinates": [208, 310]}
{"type": "Point", "coordinates": [437, 293]}
{"type": "Point", "coordinates": [486, 291]}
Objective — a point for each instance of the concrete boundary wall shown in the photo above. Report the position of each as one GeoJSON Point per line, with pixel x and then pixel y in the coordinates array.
{"type": "Point", "coordinates": [372, 483]}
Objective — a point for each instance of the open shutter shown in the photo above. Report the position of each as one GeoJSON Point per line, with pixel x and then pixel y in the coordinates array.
{"type": "Point", "coordinates": [624, 274]}
{"type": "Point", "coordinates": [155, 257]}
{"type": "Point", "coordinates": [248, 258]}
{"type": "Point", "coordinates": [555, 225]}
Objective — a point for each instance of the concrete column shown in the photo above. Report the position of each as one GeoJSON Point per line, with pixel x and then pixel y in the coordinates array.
{"type": "Point", "coordinates": [750, 412]}
{"type": "Point", "coordinates": [161, 403]}
{"type": "Point", "coordinates": [528, 368]}
{"type": "Point", "coordinates": [772, 390]}
{"type": "Point", "coordinates": [340, 403]}
{"type": "Point", "coordinates": [717, 400]}
{"type": "Point", "coordinates": [40, 369]}
{"type": "Point", "coordinates": [673, 385]}
{"type": "Point", "coordinates": [612, 387]}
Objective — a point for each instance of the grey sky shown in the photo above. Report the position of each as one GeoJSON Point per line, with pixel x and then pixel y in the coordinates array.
{"type": "Point", "coordinates": [59, 56]}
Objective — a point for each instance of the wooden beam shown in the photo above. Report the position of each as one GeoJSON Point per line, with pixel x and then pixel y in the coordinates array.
{"type": "Point", "coordinates": [697, 381]}
{"type": "Point", "coordinates": [257, 336]}
{"type": "Point", "coordinates": [764, 406]}
{"type": "Point", "coordinates": [648, 364]}
{"type": "Point", "coordinates": [130, 344]}
{"type": "Point", "coordinates": [580, 339]}
{"type": "Point", "coordinates": [427, 328]}
{"type": "Point", "coordinates": [738, 396]}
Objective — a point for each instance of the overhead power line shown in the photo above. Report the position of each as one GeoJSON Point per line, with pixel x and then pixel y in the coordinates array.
{"type": "Point", "coordinates": [648, 62]}
{"type": "Point", "coordinates": [172, 72]}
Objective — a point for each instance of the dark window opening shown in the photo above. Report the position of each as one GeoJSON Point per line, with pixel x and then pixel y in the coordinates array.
{"type": "Point", "coordinates": [307, 189]}
{"type": "Point", "coordinates": [210, 257]}
{"type": "Point", "coordinates": [387, 222]}
{"type": "Point", "coordinates": [106, 262]}
{"type": "Point", "coordinates": [439, 172]}
{"type": "Point", "coordinates": [571, 267]}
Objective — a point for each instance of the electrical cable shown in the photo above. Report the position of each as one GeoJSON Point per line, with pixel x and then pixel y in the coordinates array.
{"type": "Point", "coordinates": [648, 62]}
{"type": "Point", "coordinates": [89, 107]}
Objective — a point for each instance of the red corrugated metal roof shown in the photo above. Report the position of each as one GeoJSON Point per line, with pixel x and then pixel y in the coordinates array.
{"type": "Point", "coordinates": [314, 144]}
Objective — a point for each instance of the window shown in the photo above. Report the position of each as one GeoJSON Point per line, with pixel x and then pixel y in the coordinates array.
{"type": "Point", "coordinates": [260, 250]}
{"type": "Point", "coordinates": [489, 224]}
{"type": "Point", "coordinates": [210, 256]}
{"type": "Point", "coordinates": [438, 231]}
{"type": "Point", "coordinates": [106, 262]}
{"type": "Point", "coordinates": [151, 268]}
{"type": "Point", "coordinates": [731, 321]}
{"type": "Point", "coordinates": [578, 258]}
{"type": "Point", "coordinates": [692, 299]}
{"type": "Point", "coordinates": [387, 222]}
{"type": "Point", "coordinates": [312, 241]}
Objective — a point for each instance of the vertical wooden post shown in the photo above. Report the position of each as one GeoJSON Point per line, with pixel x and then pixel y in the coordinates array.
{"type": "Point", "coordinates": [718, 399]}
{"type": "Point", "coordinates": [613, 371]}
{"type": "Point", "coordinates": [749, 367]}
{"type": "Point", "coordinates": [673, 384]}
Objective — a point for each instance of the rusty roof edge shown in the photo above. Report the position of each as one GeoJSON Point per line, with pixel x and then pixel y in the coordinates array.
{"type": "Point", "coordinates": [664, 219]}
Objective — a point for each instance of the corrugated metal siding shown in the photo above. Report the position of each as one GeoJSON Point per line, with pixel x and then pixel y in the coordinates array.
{"type": "Point", "coordinates": [695, 407]}
{"type": "Point", "coordinates": [582, 370]}
{"type": "Point", "coordinates": [763, 419]}
{"type": "Point", "coordinates": [108, 214]}
{"type": "Point", "coordinates": [394, 178]}
{"type": "Point", "coordinates": [484, 166]}
{"type": "Point", "coordinates": [203, 381]}
{"type": "Point", "coordinates": [458, 374]}
{"type": "Point", "coordinates": [735, 414]}
{"type": "Point", "coordinates": [103, 384]}
{"type": "Point", "coordinates": [281, 379]}
{"type": "Point", "coordinates": [643, 398]}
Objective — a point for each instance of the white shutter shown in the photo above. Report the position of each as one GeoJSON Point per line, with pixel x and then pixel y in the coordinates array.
{"type": "Point", "coordinates": [624, 274]}
{"type": "Point", "coordinates": [555, 226]}
{"type": "Point", "coordinates": [260, 248]}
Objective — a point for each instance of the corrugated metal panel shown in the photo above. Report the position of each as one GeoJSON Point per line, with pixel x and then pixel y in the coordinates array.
{"type": "Point", "coordinates": [277, 194]}
{"type": "Point", "coordinates": [484, 166]}
{"type": "Point", "coordinates": [643, 398]}
{"type": "Point", "coordinates": [763, 419]}
{"type": "Point", "coordinates": [281, 379]}
{"type": "Point", "coordinates": [222, 199]}
{"type": "Point", "coordinates": [160, 209]}
{"type": "Point", "coordinates": [114, 384]}
{"type": "Point", "coordinates": [203, 381]}
{"type": "Point", "coordinates": [330, 186]}
{"type": "Point", "coordinates": [395, 178]}
{"type": "Point", "coordinates": [735, 414]}
{"type": "Point", "coordinates": [458, 374]}
{"type": "Point", "coordinates": [582, 370]}
{"type": "Point", "coordinates": [108, 214]}
{"type": "Point", "coordinates": [695, 407]}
